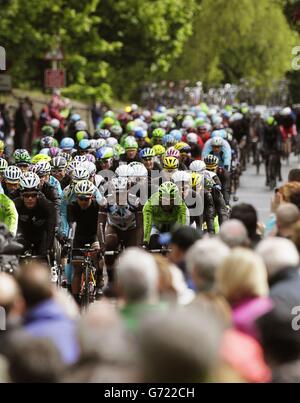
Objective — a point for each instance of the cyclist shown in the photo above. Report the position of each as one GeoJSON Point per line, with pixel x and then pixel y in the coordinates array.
{"type": "Point", "coordinates": [11, 181]}
{"type": "Point", "coordinates": [58, 170]}
{"type": "Point", "coordinates": [8, 214]}
{"type": "Point", "coordinates": [37, 217]}
{"type": "Point", "coordinates": [82, 215]}
{"type": "Point", "coordinates": [185, 155]}
{"type": "Point", "coordinates": [162, 211]}
{"type": "Point", "coordinates": [120, 222]}
{"type": "Point", "coordinates": [131, 150]}
{"type": "Point", "coordinates": [22, 159]}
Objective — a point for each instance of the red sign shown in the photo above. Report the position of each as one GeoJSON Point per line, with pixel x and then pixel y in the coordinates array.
{"type": "Point", "coordinates": [55, 78]}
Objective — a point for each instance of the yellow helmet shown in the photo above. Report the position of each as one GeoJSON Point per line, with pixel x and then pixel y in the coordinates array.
{"type": "Point", "coordinates": [182, 147]}
{"type": "Point", "coordinates": [40, 157]}
{"type": "Point", "coordinates": [170, 163]}
{"type": "Point", "coordinates": [1, 145]}
{"type": "Point", "coordinates": [159, 149]}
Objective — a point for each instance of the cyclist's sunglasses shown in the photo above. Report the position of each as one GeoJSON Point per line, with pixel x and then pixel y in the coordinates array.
{"type": "Point", "coordinates": [104, 161]}
{"type": "Point", "coordinates": [84, 197]}
{"type": "Point", "coordinates": [30, 195]}
{"type": "Point", "coordinates": [147, 159]}
{"type": "Point", "coordinates": [22, 165]}
{"type": "Point", "coordinates": [57, 170]}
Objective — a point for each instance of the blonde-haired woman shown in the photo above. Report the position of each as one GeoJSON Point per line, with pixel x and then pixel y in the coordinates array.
{"type": "Point", "coordinates": [242, 280]}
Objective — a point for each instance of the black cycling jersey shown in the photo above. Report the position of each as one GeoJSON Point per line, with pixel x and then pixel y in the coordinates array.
{"type": "Point", "coordinates": [86, 222]}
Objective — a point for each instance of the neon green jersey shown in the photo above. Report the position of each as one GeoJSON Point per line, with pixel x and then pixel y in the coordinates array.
{"type": "Point", "coordinates": [8, 213]}
{"type": "Point", "coordinates": [154, 215]}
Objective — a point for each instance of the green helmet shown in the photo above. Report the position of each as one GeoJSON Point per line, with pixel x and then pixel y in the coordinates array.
{"type": "Point", "coordinates": [130, 126]}
{"type": "Point", "coordinates": [168, 190]}
{"type": "Point", "coordinates": [82, 134]}
{"type": "Point", "coordinates": [47, 131]}
{"type": "Point", "coordinates": [118, 150]}
{"type": "Point", "coordinates": [3, 164]}
{"type": "Point", "coordinates": [158, 133]}
{"type": "Point", "coordinates": [270, 121]}
{"type": "Point", "coordinates": [199, 122]}
{"type": "Point", "coordinates": [130, 144]}
{"type": "Point", "coordinates": [159, 149]}
{"type": "Point", "coordinates": [21, 155]}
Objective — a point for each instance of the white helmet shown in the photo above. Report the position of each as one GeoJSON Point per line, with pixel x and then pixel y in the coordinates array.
{"type": "Point", "coordinates": [181, 176]}
{"type": "Point", "coordinates": [286, 111]}
{"type": "Point", "coordinates": [84, 187]}
{"type": "Point", "coordinates": [43, 168]}
{"type": "Point", "coordinates": [217, 142]}
{"type": "Point", "coordinates": [197, 166]}
{"type": "Point", "coordinates": [192, 138]}
{"type": "Point", "coordinates": [139, 170]}
{"type": "Point", "coordinates": [55, 123]}
{"type": "Point", "coordinates": [90, 166]}
{"type": "Point", "coordinates": [80, 158]}
{"type": "Point", "coordinates": [80, 173]}
{"type": "Point", "coordinates": [80, 125]}
{"type": "Point", "coordinates": [12, 174]}
{"type": "Point", "coordinates": [100, 143]}
{"type": "Point", "coordinates": [124, 171]}
{"type": "Point", "coordinates": [111, 142]}
{"type": "Point", "coordinates": [119, 183]}
{"type": "Point", "coordinates": [29, 180]}
{"type": "Point", "coordinates": [3, 164]}
{"type": "Point", "coordinates": [71, 166]}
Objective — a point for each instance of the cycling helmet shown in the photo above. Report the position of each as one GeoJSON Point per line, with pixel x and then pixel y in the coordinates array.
{"type": "Point", "coordinates": [147, 153]}
{"type": "Point", "coordinates": [29, 181]}
{"type": "Point", "coordinates": [217, 142]}
{"type": "Point", "coordinates": [100, 143]}
{"type": "Point", "coordinates": [85, 188]}
{"type": "Point", "coordinates": [3, 164]}
{"type": "Point", "coordinates": [90, 157]}
{"type": "Point", "coordinates": [80, 125]}
{"type": "Point", "coordinates": [172, 152]}
{"type": "Point", "coordinates": [138, 170]}
{"type": "Point", "coordinates": [108, 121]}
{"type": "Point", "coordinates": [176, 134]}
{"type": "Point", "coordinates": [45, 151]}
{"type": "Point", "coordinates": [81, 135]}
{"type": "Point", "coordinates": [80, 173]}
{"type": "Point", "coordinates": [169, 140]}
{"type": "Point", "coordinates": [111, 142]}
{"type": "Point", "coordinates": [109, 114]}
{"type": "Point", "coordinates": [192, 138]}
{"type": "Point", "coordinates": [104, 153]}
{"type": "Point", "coordinates": [72, 165]}
{"type": "Point", "coordinates": [47, 131]}
{"type": "Point", "coordinates": [91, 167]}
{"type": "Point", "coordinates": [168, 190]}
{"type": "Point", "coordinates": [47, 142]}
{"type": "Point", "coordinates": [158, 133]}
{"type": "Point", "coordinates": [270, 121]}
{"type": "Point", "coordinates": [2, 145]}
{"type": "Point", "coordinates": [55, 123]}
{"type": "Point", "coordinates": [40, 157]}
{"type": "Point", "coordinates": [116, 130]}
{"type": "Point", "coordinates": [217, 121]}
{"type": "Point", "coordinates": [67, 156]}
{"type": "Point", "coordinates": [67, 143]}
{"type": "Point", "coordinates": [43, 168]}
{"type": "Point", "coordinates": [130, 144]}
{"type": "Point", "coordinates": [54, 152]}
{"type": "Point", "coordinates": [211, 162]}
{"type": "Point", "coordinates": [124, 171]}
{"type": "Point", "coordinates": [12, 174]}
{"type": "Point", "coordinates": [197, 166]}
{"type": "Point", "coordinates": [139, 132]}
{"type": "Point", "coordinates": [188, 123]}
{"type": "Point", "coordinates": [181, 176]}
{"type": "Point", "coordinates": [103, 133]}
{"type": "Point", "coordinates": [118, 151]}
{"type": "Point", "coordinates": [20, 155]}
{"type": "Point", "coordinates": [183, 147]}
{"type": "Point", "coordinates": [219, 133]}
{"type": "Point", "coordinates": [58, 163]}
{"type": "Point", "coordinates": [170, 163]}
{"type": "Point", "coordinates": [75, 117]}
{"type": "Point", "coordinates": [84, 144]}
{"type": "Point", "coordinates": [80, 158]}
{"type": "Point", "coordinates": [159, 150]}
{"type": "Point", "coordinates": [119, 184]}
{"type": "Point", "coordinates": [93, 144]}
{"type": "Point", "coordinates": [196, 179]}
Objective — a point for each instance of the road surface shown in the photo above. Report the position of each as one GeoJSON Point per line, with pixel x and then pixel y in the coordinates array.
{"type": "Point", "coordinates": [253, 190]}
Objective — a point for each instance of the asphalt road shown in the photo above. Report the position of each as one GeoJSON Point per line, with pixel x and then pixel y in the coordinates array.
{"type": "Point", "coordinates": [253, 190]}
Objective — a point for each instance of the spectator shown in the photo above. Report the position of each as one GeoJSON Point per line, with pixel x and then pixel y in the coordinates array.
{"type": "Point", "coordinates": [234, 233]}
{"type": "Point", "coordinates": [294, 175]}
{"type": "Point", "coordinates": [137, 277]}
{"type": "Point", "coordinates": [247, 214]}
{"type": "Point", "coordinates": [282, 261]}
{"type": "Point", "coordinates": [242, 280]}
{"type": "Point", "coordinates": [180, 346]}
{"type": "Point", "coordinates": [44, 317]}
{"type": "Point", "coordinates": [203, 260]}
{"type": "Point", "coordinates": [281, 343]}
{"type": "Point", "coordinates": [286, 217]}
{"type": "Point", "coordinates": [34, 361]}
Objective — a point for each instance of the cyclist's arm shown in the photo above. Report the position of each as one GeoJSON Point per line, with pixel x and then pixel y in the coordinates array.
{"type": "Point", "coordinates": [11, 216]}
{"type": "Point", "coordinates": [147, 219]}
{"type": "Point", "coordinates": [139, 225]}
{"type": "Point", "coordinates": [102, 219]}
{"type": "Point", "coordinates": [183, 215]}
{"type": "Point", "coordinates": [51, 223]}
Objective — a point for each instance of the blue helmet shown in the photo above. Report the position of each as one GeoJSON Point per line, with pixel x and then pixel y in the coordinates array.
{"type": "Point", "coordinates": [176, 134]}
{"type": "Point", "coordinates": [169, 139]}
{"type": "Point", "coordinates": [147, 153]}
{"type": "Point", "coordinates": [75, 117]}
{"type": "Point", "coordinates": [104, 153]}
{"type": "Point", "coordinates": [84, 144]}
{"type": "Point", "coordinates": [139, 132]}
{"type": "Point", "coordinates": [67, 143]}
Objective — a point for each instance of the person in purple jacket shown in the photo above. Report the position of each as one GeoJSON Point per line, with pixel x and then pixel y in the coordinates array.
{"type": "Point", "coordinates": [44, 317]}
